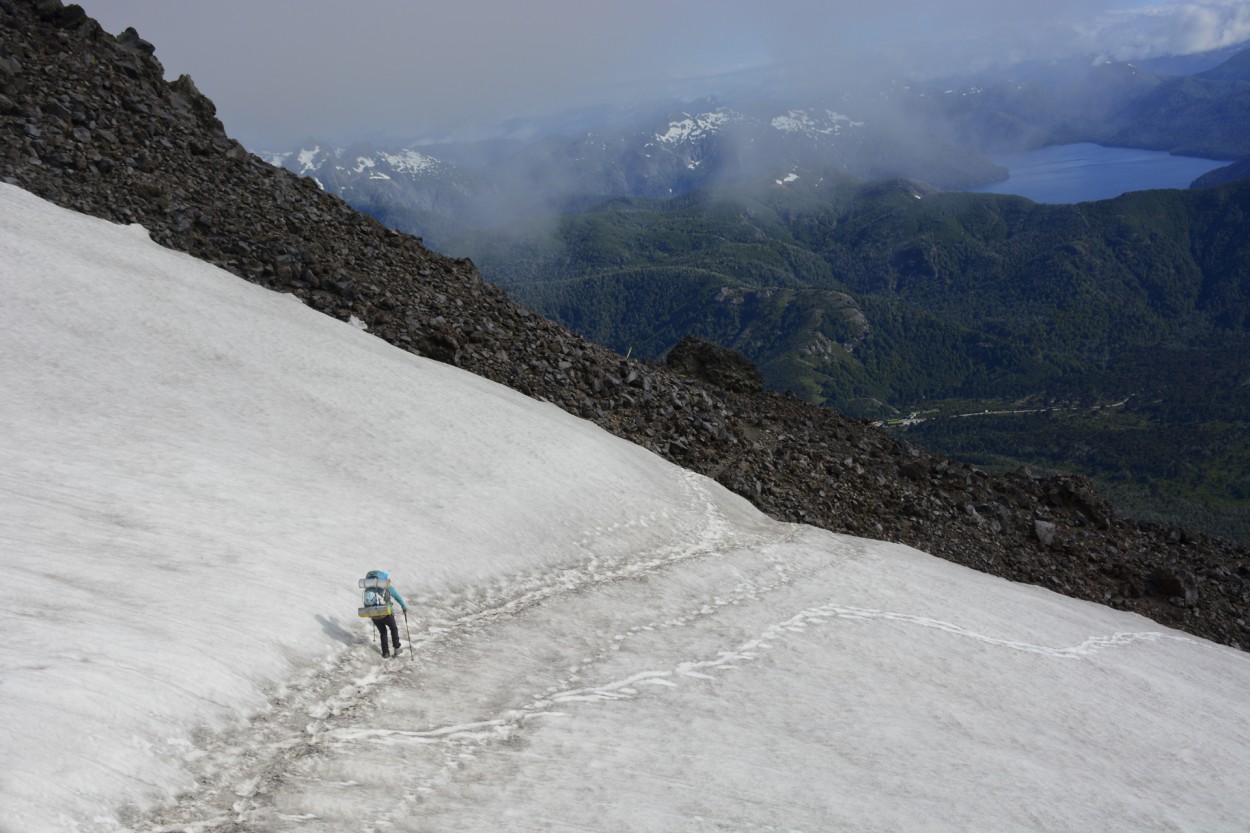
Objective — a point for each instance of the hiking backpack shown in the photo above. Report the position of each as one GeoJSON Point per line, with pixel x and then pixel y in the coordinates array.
{"type": "Point", "coordinates": [377, 596]}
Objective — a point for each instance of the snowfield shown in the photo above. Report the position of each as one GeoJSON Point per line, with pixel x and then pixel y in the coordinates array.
{"type": "Point", "coordinates": [195, 471]}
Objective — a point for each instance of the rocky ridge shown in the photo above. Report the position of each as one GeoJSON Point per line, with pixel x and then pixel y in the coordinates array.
{"type": "Point", "coordinates": [88, 121]}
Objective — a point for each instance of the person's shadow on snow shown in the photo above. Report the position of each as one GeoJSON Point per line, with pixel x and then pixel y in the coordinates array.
{"type": "Point", "coordinates": [337, 632]}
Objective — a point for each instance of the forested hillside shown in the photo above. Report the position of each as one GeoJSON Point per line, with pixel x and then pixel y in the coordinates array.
{"type": "Point", "coordinates": [885, 299]}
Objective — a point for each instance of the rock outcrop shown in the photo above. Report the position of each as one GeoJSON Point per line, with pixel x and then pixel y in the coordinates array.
{"type": "Point", "coordinates": [716, 365]}
{"type": "Point", "coordinates": [88, 121]}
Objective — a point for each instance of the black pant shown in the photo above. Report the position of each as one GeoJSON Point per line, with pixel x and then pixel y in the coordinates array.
{"type": "Point", "coordinates": [382, 623]}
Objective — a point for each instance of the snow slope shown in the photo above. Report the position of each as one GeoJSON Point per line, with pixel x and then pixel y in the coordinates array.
{"type": "Point", "coordinates": [195, 471]}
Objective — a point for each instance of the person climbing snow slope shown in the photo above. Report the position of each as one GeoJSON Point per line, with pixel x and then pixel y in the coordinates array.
{"type": "Point", "coordinates": [377, 606]}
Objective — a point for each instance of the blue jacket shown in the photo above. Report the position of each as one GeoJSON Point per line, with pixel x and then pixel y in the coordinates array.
{"type": "Point", "coordinates": [395, 595]}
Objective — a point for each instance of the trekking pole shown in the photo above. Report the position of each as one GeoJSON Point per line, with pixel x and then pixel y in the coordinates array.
{"type": "Point", "coordinates": [408, 633]}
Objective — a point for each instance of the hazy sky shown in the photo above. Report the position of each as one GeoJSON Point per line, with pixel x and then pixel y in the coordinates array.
{"type": "Point", "coordinates": [283, 70]}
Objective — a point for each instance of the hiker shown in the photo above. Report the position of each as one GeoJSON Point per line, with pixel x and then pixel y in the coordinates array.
{"type": "Point", "coordinates": [378, 596]}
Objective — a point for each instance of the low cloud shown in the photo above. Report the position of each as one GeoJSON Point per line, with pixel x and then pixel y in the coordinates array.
{"type": "Point", "coordinates": [282, 70]}
{"type": "Point", "coordinates": [1173, 29]}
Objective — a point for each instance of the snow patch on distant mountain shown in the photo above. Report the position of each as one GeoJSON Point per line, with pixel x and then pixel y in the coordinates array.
{"type": "Point", "coordinates": [343, 165]}
{"type": "Point", "coordinates": [307, 159]}
{"type": "Point", "coordinates": [829, 123]}
{"type": "Point", "coordinates": [409, 161]}
{"type": "Point", "coordinates": [694, 128]}
{"type": "Point", "coordinates": [798, 121]}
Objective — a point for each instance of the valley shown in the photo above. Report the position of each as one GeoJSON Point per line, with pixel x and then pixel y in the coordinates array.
{"type": "Point", "coordinates": [1189, 473]}
{"type": "Point", "coordinates": [825, 241]}
{"type": "Point", "coordinates": [883, 299]}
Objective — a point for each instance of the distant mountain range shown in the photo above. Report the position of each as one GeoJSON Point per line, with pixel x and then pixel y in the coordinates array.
{"type": "Point", "coordinates": [936, 133]}
{"type": "Point", "coordinates": [888, 298]}
{"type": "Point", "coordinates": [815, 239]}
{"type": "Point", "coordinates": [667, 154]}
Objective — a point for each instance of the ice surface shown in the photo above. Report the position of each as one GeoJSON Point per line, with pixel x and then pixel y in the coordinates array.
{"type": "Point", "coordinates": [196, 472]}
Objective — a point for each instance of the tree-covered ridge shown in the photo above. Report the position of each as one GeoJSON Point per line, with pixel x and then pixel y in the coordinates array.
{"type": "Point", "coordinates": [886, 298]}
{"type": "Point", "coordinates": [1022, 288]}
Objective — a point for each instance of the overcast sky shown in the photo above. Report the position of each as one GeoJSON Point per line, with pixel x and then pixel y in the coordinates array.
{"type": "Point", "coordinates": [283, 70]}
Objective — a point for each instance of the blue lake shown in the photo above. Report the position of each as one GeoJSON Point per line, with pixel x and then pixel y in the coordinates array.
{"type": "Point", "coordinates": [1081, 172]}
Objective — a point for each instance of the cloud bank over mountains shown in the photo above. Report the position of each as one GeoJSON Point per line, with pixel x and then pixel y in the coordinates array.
{"type": "Point", "coordinates": [286, 69]}
{"type": "Point", "coordinates": [1172, 29]}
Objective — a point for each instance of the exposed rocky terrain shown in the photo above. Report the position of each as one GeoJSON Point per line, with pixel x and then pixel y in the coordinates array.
{"type": "Point", "coordinates": [88, 121]}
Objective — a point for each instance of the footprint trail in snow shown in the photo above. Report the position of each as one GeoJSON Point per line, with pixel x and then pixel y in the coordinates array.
{"type": "Point", "coordinates": [542, 661]}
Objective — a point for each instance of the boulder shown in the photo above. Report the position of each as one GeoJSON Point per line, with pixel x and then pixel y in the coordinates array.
{"type": "Point", "coordinates": [715, 365]}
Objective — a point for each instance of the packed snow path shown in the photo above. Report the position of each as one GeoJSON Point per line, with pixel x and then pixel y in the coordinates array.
{"type": "Point", "coordinates": [195, 472]}
{"type": "Point", "coordinates": [711, 688]}
{"type": "Point", "coordinates": [485, 668]}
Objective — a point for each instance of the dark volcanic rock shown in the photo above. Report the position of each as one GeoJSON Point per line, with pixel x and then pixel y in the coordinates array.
{"type": "Point", "coordinates": [88, 121]}
{"type": "Point", "coordinates": [716, 365]}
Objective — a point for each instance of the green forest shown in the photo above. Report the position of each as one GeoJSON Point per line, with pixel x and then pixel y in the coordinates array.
{"type": "Point", "coordinates": [886, 299]}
